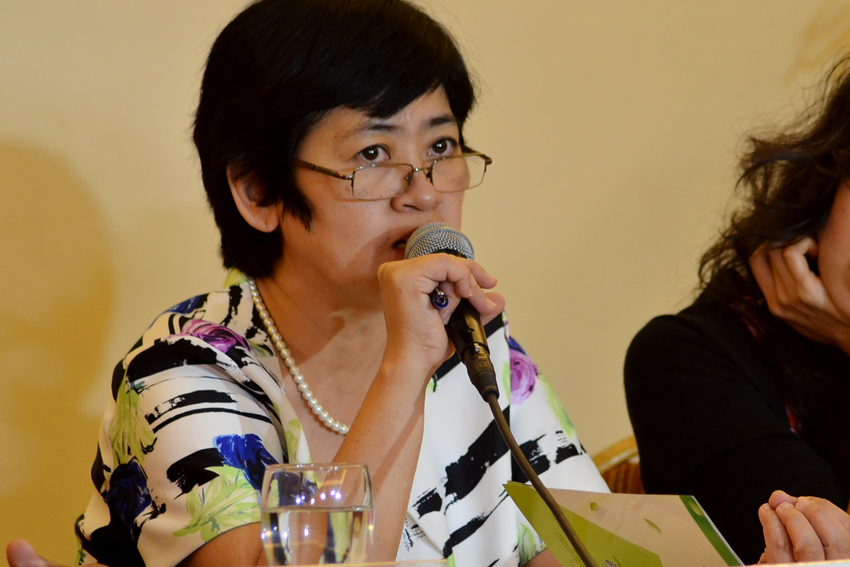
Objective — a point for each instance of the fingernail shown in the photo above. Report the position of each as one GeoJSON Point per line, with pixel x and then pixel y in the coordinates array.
{"type": "Point", "coordinates": [491, 304]}
{"type": "Point", "coordinates": [784, 506]}
{"type": "Point", "coordinates": [802, 503]}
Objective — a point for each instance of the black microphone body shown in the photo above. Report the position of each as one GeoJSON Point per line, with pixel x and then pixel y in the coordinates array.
{"type": "Point", "coordinates": [464, 328]}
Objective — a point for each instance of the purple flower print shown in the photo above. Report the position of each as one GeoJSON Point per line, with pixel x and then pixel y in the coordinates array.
{"type": "Point", "coordinates": [523, 374]}
{"type": "Point", "coordinates": [217, 336]}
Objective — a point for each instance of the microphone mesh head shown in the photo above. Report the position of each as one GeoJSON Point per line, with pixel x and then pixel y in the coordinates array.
{"type": "Point", "coordinates": [437, 237]}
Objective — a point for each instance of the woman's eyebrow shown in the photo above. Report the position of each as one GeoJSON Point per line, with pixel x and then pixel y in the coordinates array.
{"type": "Point", "coordinates": [442, 120]}
{"type": "Point", "coordinates": [385, 125]}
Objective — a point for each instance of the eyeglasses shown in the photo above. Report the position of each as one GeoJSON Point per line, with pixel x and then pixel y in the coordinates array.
{"type": "Point", "coordinates": [388, 180]}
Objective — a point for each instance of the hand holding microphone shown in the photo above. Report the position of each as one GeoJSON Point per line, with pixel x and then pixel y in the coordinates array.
{"type": "Point", "coordinates": [467, 334]}
{"type": "Point", "coordinates": [464, 327]}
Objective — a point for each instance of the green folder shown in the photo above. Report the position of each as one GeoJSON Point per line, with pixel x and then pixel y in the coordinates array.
{"type": "Point", "coordinates": [627, 530]}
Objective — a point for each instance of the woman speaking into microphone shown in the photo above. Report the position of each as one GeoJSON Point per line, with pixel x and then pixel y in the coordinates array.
{"type": "Point", "coordinates": [328, 131]}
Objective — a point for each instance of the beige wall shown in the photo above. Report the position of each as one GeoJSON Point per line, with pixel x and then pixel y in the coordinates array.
{"type": "Point", "coordinates": [613, 127]}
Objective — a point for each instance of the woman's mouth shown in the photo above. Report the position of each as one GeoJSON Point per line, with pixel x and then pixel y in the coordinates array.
{"type": "Point", "coordinates": [400, 244]}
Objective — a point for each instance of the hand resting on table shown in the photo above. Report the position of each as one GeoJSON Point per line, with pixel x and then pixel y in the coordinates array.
{"type": "Point", "coordinates": [803, 529]}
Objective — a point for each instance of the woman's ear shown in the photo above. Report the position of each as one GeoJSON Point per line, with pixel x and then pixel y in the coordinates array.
{"type": "Point", "coordinates": [247, 193]}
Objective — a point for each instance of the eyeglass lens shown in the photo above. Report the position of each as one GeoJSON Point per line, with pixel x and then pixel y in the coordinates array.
{"type": "Point", "coordinates": [448, 176]}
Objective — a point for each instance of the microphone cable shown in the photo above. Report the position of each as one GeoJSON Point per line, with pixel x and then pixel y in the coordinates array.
{"type": "Point", "coordinates": [439, 237]}
{"type": "Point", "coordinates": [580, 551]}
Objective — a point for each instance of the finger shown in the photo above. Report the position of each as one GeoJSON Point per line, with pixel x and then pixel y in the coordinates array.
{"type": "Point", "coordinates": [778, 547]}
{"type": "Point", "coordinates": [796, 267]}
{"type": "Point", "coordinates": [466, 275]}
{"type": "Point", "coordinates": [20, 553]}
{"type": "Point", "coordinates": [842, 516]}
{"type": "Point", "coordinates": [480, 276]}
{"type": "Point", "coordinates": [465, 279]}
{"type": "Point", "coordinates": [489, 305]}
{"type": "Point", "coordinates": [498, 305]}
{"type": "Point", "coordinates": [762, 272]}
{"type": "Point", "coordinates": [833, 535]}
{"type": "Point", "coordinates": [785, 287]}
{"type": "Point", "coordinates": [805, 542]}
{"type": "Point", "coordinates": [779, 496]}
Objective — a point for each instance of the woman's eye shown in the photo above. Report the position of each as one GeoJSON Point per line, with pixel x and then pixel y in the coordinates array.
{"type": "Point", "coordinates": [444, 146]}
{"type": "Point", "coordinates": [372, 153]}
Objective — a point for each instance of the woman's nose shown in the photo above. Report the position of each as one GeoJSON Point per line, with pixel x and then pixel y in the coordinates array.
{"type": "Point", "coordinates": [419, 194]}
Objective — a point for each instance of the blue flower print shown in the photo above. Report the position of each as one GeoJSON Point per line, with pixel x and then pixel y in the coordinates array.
{"type": "Point", "coordinates": [515, 345]}
{"type": "Point", "coordinates": [246, 453]}
{"type": "Point", "coordinates": [128, 496]}
{"type": "Point", "coordinates": [187, 306]}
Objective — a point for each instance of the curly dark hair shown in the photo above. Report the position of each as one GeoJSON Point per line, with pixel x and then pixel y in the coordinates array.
{"type": "Point", "coordinates": [791, 178]}
{"type": "Point", "coordinates": [278, 67]}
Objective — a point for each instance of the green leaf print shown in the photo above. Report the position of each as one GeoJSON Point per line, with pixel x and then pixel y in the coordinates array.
{"type": "Point", "coordinates": [225, 502]}
{"type": "Point", "coordinates": [234, 277]}
{"type": "Point", "coordinates": [557, 409]}
{"type": "Point", "coordinates": [506, 380]}
{"type": "Point", "coordinates": [526, 547]}
{"type": "Point", "coordinates": [130, 432]}
{"type": "Point", "coordinates": [292, 435]}
{"type": "Point", "coordinates": [259, 349]}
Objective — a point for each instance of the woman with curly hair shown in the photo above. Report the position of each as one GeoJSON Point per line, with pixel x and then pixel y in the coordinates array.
{"type": "Point", "coordinates": [747, 391]}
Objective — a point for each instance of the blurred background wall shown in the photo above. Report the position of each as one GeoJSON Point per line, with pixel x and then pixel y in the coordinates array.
{"type": "Point", "coordinates": [613, 127]}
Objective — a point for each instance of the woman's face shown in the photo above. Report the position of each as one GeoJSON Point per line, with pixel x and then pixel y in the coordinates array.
{"type": "Point", "coordinates": [349, 239]}
{"type": "Point", "coordinates": [834, 251]}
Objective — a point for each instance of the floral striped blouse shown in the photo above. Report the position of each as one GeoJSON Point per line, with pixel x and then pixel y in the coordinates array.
{"type": "Point", "coordinates": [199, 409]}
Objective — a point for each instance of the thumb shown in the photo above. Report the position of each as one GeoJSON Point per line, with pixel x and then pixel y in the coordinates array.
{"type": "Point", "coordinates": [20, 553]}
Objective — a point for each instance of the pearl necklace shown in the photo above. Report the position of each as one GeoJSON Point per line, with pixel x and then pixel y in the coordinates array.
{"type": "Point", "coordinates": [289, 362]}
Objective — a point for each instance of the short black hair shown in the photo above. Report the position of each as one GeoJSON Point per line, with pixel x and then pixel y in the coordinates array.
{"type": "Point", "coordinates": [280, 66]}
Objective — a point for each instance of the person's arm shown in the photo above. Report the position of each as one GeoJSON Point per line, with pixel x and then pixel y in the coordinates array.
{"type": "Point", "coordinates": [387, 432]}
{"type": "Point", "coordinates": [708, 424]}
{"type": "Point", "coordinates": [803, 529]}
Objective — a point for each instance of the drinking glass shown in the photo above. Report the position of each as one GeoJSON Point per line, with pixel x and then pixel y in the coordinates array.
{"type": "Point", "coordinates": [317, 513]}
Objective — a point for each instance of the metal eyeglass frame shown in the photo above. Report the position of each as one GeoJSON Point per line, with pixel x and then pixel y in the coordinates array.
{"type": "Point", "coordinates": [428, 170]}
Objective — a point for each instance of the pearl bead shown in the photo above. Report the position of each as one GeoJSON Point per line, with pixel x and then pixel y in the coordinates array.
{"type": "Point", "coordinates": [277, 341]}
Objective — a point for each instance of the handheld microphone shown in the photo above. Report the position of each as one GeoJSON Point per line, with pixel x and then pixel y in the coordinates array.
{"type": "Point", "coordinates": [464, 327]}
{"type": "Point", "coordinates": [466, 333]}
